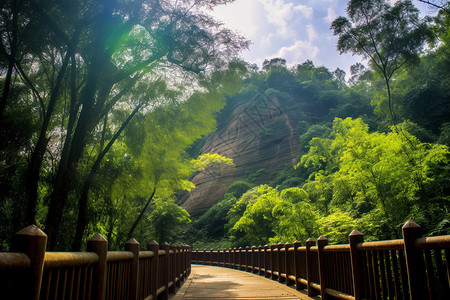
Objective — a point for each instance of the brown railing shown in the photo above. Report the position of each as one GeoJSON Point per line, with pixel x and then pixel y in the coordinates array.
{"type": "Point", "coordinates": [32, 273]}
{"type": "Point", "coordinates": [410, 268]}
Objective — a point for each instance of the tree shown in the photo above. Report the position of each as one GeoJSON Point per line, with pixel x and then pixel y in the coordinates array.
{"type": "Point", "coordinates": [389, 36]}
{"type": "Point", "coordinates": [274, 63]}
{"type": "Point", "coordinates": [257, 224]}
{"type": "Point", "coordinates": [375, 176]}
{"type": "Point", "coordinates": [297, 217]}
{"type": "Point", "coordinates": [91, 58]}
{"type": "Point", "coordinates": [166, 219]}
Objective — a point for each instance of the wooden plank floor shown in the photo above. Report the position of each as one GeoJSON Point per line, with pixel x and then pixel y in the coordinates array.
{"type": "Point", "coordinates": [208, 282]}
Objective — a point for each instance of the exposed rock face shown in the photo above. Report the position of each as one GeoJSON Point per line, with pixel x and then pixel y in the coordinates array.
{"type": "Point", "coordinates": [259, 136]}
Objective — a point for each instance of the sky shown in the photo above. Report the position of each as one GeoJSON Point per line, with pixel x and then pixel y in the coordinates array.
{"type": "Point", "coordinates": [296, 30]}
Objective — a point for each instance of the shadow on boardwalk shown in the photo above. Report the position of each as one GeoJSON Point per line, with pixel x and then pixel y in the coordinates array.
{"type": "Point", "coordinates": [207, 282]}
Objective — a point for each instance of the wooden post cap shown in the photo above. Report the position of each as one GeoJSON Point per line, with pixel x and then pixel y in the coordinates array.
{"type": "Point", "coordinates": [410, 224]}
{"type": "Point", "coordinates": [31, 230]}
{"type": "Point", "coordinates": [132, 241]}
{"type": "Point", "coordinates": [98, 238]}
{"type": "Point", "coordinates": [355, 233]}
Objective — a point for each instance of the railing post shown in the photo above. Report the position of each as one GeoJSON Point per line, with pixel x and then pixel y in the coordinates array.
{"type": "Point", "coordinates": [297, 263]}
{"type": "Point", "coordinates": [247, 257]}
{"type": "Point", "coordinates": [166, 272]}
{"type": "Point", "coordinates": [99, 245]}
{"type": "Point", "coordinates": [184, 265]}
{"type": "Point", "coordinates": [355, 238]}
{"type": "Point", "coordinates": [309, 265]}
{"type": "Point", "coordinates": [133, 246]}
{"type": "Point", "coordinates": [31, 241]}
{"type": "Point", "coordinates": [255, 262]}
{"type": "Point", "coordinates": [414, 262]}
{"type": "Point", "coordinates": [267, 260]}
{"type": "Point", "coordinates": [173, 268]}
{"type": "Point", "coordinates": [286, 263]}
{"type": "Point", "coordinates": [239, 258]}
{"type": "Point", "coordinates": [188, 260]}
{"type": "Point", "coordinates": [155, 272]}
{"type": "Point", "coordinates": [261, 260]}
{"type": "Point", "coordinates": [321, 243]}
{"type": "Point", "coordinates": [180, 263]}
{"type": "Point", "coordinates": [272, 260]}
{"type": "Point", "coordinates": [280, 261]}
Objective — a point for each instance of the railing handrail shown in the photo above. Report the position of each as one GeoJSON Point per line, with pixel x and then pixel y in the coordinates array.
{"type": "Point", "coordinates": [69, 259]}
{"type": "Point", "coordinates": [11, 260]}
{"type": "Point", "coordinates": [95, 274]}
{"type": "Point", "coordinates": [391, 269]}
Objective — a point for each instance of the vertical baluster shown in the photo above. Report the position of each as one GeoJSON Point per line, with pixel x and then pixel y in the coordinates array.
{"type": "Point", "coordinates": [376, 275]}
{"type": "Point", "coordinates": [64, 284]}
{"type": "Point", "coordinates": [309, 265]}
{"type": "Point", "coordinates": [443, 281]}
{"type": "Point", "coordinates": [387, 262]}
{"type": "Point", "coordinates": [404, 276]}
{"type": "Point", "coordinates": [56, 286]}
{"type": "Point", "coordinates": [72, 275]}
{"type": "Point", "coordinates": [395, 269]}
{"type": "Point", "coordinates": [78, 283]}
{"type": "Point", "coordinates": [370, 273]}
{"type": "Point", "coordinates": [47, 285]}
{"type": "Point", "coordinates": [430, 274]}
{"type": "Point", "coordinates": [383, 275]}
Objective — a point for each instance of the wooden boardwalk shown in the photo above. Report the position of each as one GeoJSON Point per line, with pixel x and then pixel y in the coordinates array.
{"type": "Point", "coordinates": [207, 282]}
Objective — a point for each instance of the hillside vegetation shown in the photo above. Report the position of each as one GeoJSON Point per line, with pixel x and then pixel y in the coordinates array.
{"type": "Point", "coordinates": [106, 105]}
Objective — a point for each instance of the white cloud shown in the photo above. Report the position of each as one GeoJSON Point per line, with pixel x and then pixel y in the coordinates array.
{"type": "Point", "coordinates": [311, 31]}
{"type": "Point", "coordinates": [280, 14]}
{"type": "Point", "coordinates": [299, 52]}
{"type": "Point", "coordinates": [331, 16]}
{"type": "Point", "coordinates": [305, 10]}
{"type": "Point", "coordinates": [239, 16]}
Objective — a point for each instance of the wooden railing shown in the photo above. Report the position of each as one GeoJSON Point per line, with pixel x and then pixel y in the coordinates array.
{"type": "Point", "coordinates": [32, 273]}
{"type": "Point", "coordinates": [409, 268]}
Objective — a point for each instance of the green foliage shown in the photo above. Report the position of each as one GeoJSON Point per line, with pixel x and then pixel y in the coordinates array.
{"type": "Point", "coordinates": [298, 219]}
{"type": "Point", "coordinates": [166, 220]}
{"type": "Point", "coordinates": [256, 225]}
{"type": "Point", "coordinates": [253, 176]}
{"type": "Point", "coordinates": [337, 226]}
{"type": "Point", "coordinates": [389, 36]}
{"type": "Point", "coordinates": [211, 161]}
{"type": "Point", "coordinates": [386, 171]}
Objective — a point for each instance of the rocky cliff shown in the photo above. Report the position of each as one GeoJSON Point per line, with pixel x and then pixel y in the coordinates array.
{"type": "Point", "coordinates": [259, 135]}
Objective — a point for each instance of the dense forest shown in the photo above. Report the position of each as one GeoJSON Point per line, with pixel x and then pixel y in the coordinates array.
{"type": "Point", "coordinates": [104, 110]}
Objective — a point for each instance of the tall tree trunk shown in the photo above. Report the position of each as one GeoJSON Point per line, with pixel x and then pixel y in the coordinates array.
{"type": "Point", "coordinates": [11, 58]}
{"type": "Point", "coordinates": [39, 150]}
{"type": "Point", "coordinates": [130, 233]}
{"type": "Point", "coordinates": [82, 205]}
{"type": "Point", "coordinates": [66, 173]}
